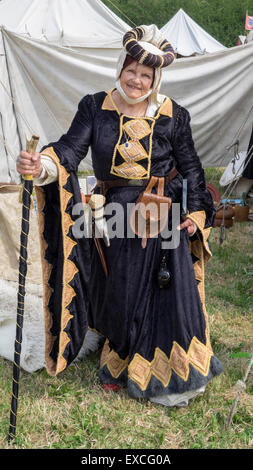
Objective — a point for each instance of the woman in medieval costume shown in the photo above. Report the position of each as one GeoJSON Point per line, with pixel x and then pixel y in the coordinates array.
{"type": "Point", "coordinates": [157, 339]}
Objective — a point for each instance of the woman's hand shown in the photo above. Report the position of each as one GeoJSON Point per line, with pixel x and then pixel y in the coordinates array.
{"type": "Point", "coordinates": [189, 224]}
{"type": "Point", "coordinates": [28, 164]}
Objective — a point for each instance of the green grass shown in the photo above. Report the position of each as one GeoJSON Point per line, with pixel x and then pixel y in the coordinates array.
{"type": "Point", "coordinates": [232, 267]}
{"type": "Point", "coordinates": [73, 411]}
{"type": "Point", "coordinates": [83, 173]}
{"type": "Point", "coordinates": [213, 176]}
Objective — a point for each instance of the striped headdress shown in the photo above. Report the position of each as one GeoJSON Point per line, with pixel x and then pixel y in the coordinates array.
{"type": "Point", "coordinates": [151, 34]}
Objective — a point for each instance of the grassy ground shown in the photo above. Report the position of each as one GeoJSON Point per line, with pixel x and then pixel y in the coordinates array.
{"type": "Point", "coordinates": [73, 411]}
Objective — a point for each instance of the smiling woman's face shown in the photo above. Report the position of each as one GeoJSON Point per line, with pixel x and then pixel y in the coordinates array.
{"type": "Point", "coordinates": [136, 79]}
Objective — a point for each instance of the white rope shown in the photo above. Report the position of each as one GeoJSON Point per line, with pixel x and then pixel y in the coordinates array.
{"type": "Point", "coordinates": [117, 8]}
{"type": "Point", "coordinates": [236, 137]}
{"type": "Point", "coordinates": [223, 205]}
{"type": "Point", "coordinates": [242, 126]}
{"type": "Point", "coordinates": [232, 186]}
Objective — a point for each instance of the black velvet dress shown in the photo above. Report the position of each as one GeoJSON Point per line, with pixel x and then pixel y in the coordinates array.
{"type": "Point", "coordinates": [157, 340]}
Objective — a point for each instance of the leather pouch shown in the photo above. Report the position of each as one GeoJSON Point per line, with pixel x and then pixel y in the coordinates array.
{"type": "Point", "coordinates": [150, 213]}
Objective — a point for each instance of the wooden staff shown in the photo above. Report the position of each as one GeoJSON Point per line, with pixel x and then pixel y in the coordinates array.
{"type": "Point", "coordinates": [26, 203]}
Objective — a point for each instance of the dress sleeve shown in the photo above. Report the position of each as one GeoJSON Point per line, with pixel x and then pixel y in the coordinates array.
{"type": "Point", "coordinates": [73, 146]}
{"type": "Point", "coordinates": [189, 166]}
{"type": "Point", "coordinates": [50, 168]}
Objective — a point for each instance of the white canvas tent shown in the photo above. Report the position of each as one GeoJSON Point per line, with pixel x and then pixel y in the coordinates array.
{"type": "Point", "coordinates": [71, 23]}
{"type": "Point", "coordinates": [188, 38]}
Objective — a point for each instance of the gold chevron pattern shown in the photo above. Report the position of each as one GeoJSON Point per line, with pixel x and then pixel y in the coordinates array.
{"type": "Point", "coordinates": [46, 272]}
{"type": "Point", "coordinates": [140, 370]}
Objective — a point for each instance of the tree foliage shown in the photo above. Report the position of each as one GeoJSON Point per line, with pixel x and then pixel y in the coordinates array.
{"type": "Point", "coordinates": [223, 19]}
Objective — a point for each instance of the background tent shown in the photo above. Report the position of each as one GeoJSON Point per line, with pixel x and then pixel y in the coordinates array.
{"type": "Point", "coordinates": [76, 23]}
{"type": "Point", "coordinates": [46, 79]}
{"type": "Point", "coordinates": [241, 40]}
{"type": "Point", "coordinates": [188, 38]}
{"type": "Point", "coordinates": [86, 27]}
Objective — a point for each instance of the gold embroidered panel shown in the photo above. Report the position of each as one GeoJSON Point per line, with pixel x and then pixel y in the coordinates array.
{"type": "Point", "coordinates": [133, 130]}
{"type": "Point", "coordinates": [130, 171]}
{"type": "Point", "coordinates": [134, 145]}
{"type": "Point", "coordinates": [133, 152]}
{"type": "Point", "coordinates": [137, 129]}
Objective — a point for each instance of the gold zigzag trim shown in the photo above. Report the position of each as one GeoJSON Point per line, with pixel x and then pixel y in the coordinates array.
{"type": "Point", "coordinates": [69, 269]}
{"type": "Point", "coordinates": [201, 250]}
{"type": "Point", "coordinates": [140, 370]}
{"type": "Point", "coordinates": [46, 272]}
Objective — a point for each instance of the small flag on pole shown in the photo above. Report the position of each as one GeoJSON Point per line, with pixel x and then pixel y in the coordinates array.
{"type": "Point", "coordinates": [248, 22]}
